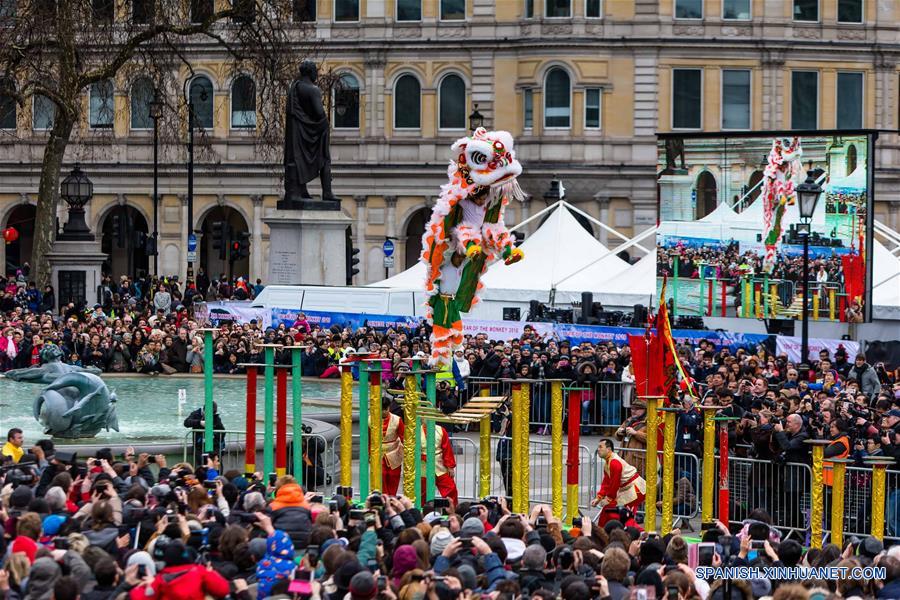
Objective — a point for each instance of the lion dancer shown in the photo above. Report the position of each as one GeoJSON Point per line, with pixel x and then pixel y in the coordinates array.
{"type": "Point", "coordinates": [622, 485]}
{"type": "Point", "coordinates": [781, 175]}
{"type": "Point", "coordinates": [392, 431]}
{"type": "Point", "coordinates": [444, 464]}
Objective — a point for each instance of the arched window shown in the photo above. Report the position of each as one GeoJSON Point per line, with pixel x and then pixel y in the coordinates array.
{"type": "Point", "coordinates": [851, 157]}
{"type": "Point", "coordinates": [243, 103]}
{"type": "Point", "coordinates": [141, 96]}
{"type": "Point", "coordinates": [557, 99]}
{"type": "Point", "coordinates": [201, 95]}
{"type": "Point", "coordinates": [452, 97]}
{"type": "Point", "coordinates": [7, 106]}
{"type": "Point", "coordinates": [102, 104]}
{"type": "Point", "coordinates": [346, 102]}
{"type": "Point", "coordinates": [407, 103]}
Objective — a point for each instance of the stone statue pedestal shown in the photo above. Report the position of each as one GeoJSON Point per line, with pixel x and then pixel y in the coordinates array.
{"type": "Point", "coordinates": [307, 246]}
{"type": "Point", "coordinates": [676, 196]}
{"type": "Point", "coordinates": [76, 271]}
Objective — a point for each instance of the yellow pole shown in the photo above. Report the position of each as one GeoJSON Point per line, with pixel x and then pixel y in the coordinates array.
{"type": "Point", "coordinates": [556, 458]}
{"type": "Point", "coordinates": [410, 405]}
{"type": "Point", "coordinates": [747, 298]}
{"type": "Point", "coordinates": [650, 464]}
{"type": "Point", "coordinates": [709, 463]}
{"type": "Point", "coordinates": [879, 464]}
{"type": "Point", "coordinates": [831, 304]}
{"type": "Point", "coordinates": [346, 425]}
{"type": "Point", "coordinates": [516, 446]}
{"type": "Point", "coordinates": [817, 504]}
{"type": "Point", "coordinates": [484, 450]}
{"type": "Point", "coordinates": [815, 314]}
{"type": "Point", "coordinates": [525, 456]}
{"type": "Point", "coordinates": [668, 471]}
{"type": "Point", "coordinates": [837, 501]}
{"type": "Point", "coordinates": [375, 420]}
{"type": "Point", "coordinates": [773, 299]}
{"type": "Point", "coordinates": [756, 304]}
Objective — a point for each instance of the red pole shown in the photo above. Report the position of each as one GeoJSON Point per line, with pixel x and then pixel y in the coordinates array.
{"type": "Point", "coordinates": [281, 424]}
{"type": "Point", "coordinates": [724, 297]}
{"type": "Point", "coordinates": [250, 445]}
{"type": "Point", "coordinates": [709, 300]}
{"type": "Point", "coordinates": [724, 499]}
{"type": "Point", "coordinates": [572, 462]}
{"type": "Point", "coordinates": [842, 317]}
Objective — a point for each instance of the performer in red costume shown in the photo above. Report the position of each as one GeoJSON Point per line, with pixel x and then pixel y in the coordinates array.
{"type": "Point", "coordinates": [392, 430]}
{"type": "Point", "coordinates": [444, 464]}
{"type": "Point", "coordinates": [622, 484]}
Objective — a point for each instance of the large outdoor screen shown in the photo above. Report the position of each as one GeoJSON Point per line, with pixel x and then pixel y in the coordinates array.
{"type": "Point", "coordinates": [731, 232]}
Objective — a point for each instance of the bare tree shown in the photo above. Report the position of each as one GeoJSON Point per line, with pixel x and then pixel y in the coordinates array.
{"type": "Point", "coordinates": [60, 51]}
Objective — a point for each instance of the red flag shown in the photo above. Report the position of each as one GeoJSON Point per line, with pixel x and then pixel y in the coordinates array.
{"type": "Point", "coordinates": [854, 276]}
{"type": "Point", "coordinates": [646, 351]}
{"type": "Point", "coordinates": [668, 365]}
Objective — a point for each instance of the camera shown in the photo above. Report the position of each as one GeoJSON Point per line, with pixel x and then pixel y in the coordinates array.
{"type": "Point", "coordinates": [540, 522]}
{"type": "Point", "coordinates": [442, 503]}
{"type": "Point", "coordinates": [577, 522]}
{"type": "Point", "coordinates": [317, 499]}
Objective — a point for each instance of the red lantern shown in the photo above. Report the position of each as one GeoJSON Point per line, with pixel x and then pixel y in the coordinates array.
{"type": "Point", "coordinates": [10, 234]}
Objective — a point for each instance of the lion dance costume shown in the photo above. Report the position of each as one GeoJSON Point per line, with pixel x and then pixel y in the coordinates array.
{"type": "Point", "coordinates": [466, 232]}
{"type": "Point", "coordinates": [783, 172]}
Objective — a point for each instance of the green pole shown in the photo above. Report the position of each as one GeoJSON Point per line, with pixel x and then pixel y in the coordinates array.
{"type": "Point", "coordinates": [765, 295]}
{"type": "Point", "coordinates": [297, 410]}
{"type": "Point", "coordinates": [208, 412]}
{"type": "Point", "coordinates": [419, 501]}
{"type": "Point", "coordinates": [431, 396]}
{"type": "Point", "coordinates": [675, 288]}
{"type": "Point", "coordinates": [363, 430]}
{"type": "Point", "coordinates": [269, 416]}
{"type": "Point", "coordinates": [701, 301]}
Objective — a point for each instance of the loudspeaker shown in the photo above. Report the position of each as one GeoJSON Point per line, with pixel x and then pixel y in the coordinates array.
{"type": "Point", "coordinates": [512, 313]}
{"type": "Point", "coordinates": [587, 305]}
{"type": "Point", "coordinates": [639, 316]}
{"type": "Point", "coordinates": [535, 311]}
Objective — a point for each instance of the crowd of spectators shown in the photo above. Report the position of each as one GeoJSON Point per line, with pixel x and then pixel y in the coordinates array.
{"type": "Point", "coordinates": [105, 526]}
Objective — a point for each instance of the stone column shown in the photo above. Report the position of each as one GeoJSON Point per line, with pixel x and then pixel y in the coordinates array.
{"type": "Point", "coordinates": [256, 249]}
{"type": "Point", "coordinates": [603, 205]}
{"type": "Point", "coordinates": [773, 89]}
{"type": "Point", "coordinates": [374, 64]}
{"type": "Point", "coordinates": [390, 220]}
{"type": "Point", "coordinates": [524, 213]}
{"type": "Point", "coordinates": [361, 236]}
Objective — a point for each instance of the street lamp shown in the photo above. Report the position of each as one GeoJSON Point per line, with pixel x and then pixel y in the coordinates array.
{"type": "Point", "coordinates": [808, 194]}
{"type": "Point", "coordinates": [556, 191]}
{"type": "Point", "coordinates": [156, 108]}
{"type": "Point", "coordinates": [476, 119]}
{"type": "Point", "coordinates": [190, 191]}
{"type": "Point", "coordinates": [76, 190]}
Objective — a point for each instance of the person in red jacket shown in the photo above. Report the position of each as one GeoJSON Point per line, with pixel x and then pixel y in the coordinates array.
{"type": "Point", "coordinates": [622, 485]}
{"type": "Point", "coordinates": [181, 579]}
{"type": "Point", "coordinates": [444, 464]}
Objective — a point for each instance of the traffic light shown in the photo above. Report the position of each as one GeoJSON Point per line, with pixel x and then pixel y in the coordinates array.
{"type": "Point", "coordinates": [220, 238]}
{"type": "Point", "coordinates": [140, 240]}
{"type": "Point", "coordinates": [118, 231]}
{"type": "Point", "coordinates": [234, 249]}
{"type": "Point", "coordinates": [243, 244]}
{"type": "Point", "coordinates": [352, 261]}
{"type": "Point", "coordinates": [150, 245]}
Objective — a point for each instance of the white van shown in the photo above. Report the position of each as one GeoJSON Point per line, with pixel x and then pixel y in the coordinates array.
{"type": "Point", "coordinates": [356, 300]}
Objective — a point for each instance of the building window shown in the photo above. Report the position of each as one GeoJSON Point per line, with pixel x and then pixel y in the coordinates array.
{"type": "Point", "coordinates": [528, 108]}
{"type": "Point", "coordinates": [7, 107]}
{"type": "Point", "coordinates": [688, 9]}
{"type": "Point", "coordinates": [735, 99]}
{"type": "Point", "coordinates": [201, 94]}
{"type": "Point", "coordinates": [303, 11]}
{"type": "Point", "coordinates": [592, 108]}
{"type": "Point", "coordinates": [736, 9]}
{"type": "Point", "coordinates": [43, 111]}
{"type": "Point", "coordinates": [244, 11]}
{"type": "Point", "coordinates": [103, 10]}
{"type": "Point", "coordinates": [558, 8]}
{"type": "Point", "coordinates": [557, 99]}
{"type": "Point", "coordinates": [102, 105]}
{"type": "Point", "coordinates": [346, 10]}
{"type": "Point", "coordinates": [202, 10]}
{"type": "Point", "coordinates": [529, 9]}
{"type": "Point", "coordinates": [346, 103]}
{"type": "Point", "coordinates": [804, 99]}
{"type": "Point", "coordinates": [687, 107]}
{"type": "Point", "coordinates": [452, 99]}
{"type": "Point", "coordinates": [806, 10]}
{"type": "Point", "coordinates": [592, 9]}
{"type": "Point", "coordinates": [407, 103]}
{"type": "Point", "coordinates": [850, 11]}
{"type": "Point", "coordinates": [142, 11]}
{"type": "Point", "coordinates": [141, 96]}
{"type": "Point", "coordinates": [453, 10]}
{"type": "Point", "coordinates": [849, 100]}
{"type": "Point", "coordinates": [409, 10]}
{"type": "Point", "coordinates": [243, 103]}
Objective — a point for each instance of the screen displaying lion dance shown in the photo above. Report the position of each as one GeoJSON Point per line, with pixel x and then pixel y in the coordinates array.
{"type": "Point", "coordinates": [466, 232]}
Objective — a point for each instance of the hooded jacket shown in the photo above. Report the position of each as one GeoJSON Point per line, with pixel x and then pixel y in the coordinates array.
{"type": "Point", "coordinates": [291, 514]}
{"type": "Point", "coordinates": [183, 582]}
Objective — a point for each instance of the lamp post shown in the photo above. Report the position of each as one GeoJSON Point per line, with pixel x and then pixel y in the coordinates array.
{"type": "Point", "coordinates": [808, 194]}
{"type": "Point", "coordinates": [156, 106]}
{"type": "Point", "coordinates": [476, 119]}
{"type": "Point", "coordinates": [190, 182]}
{"type": "Point", "coordinates": [76, 189]}
{"type": "Point", "coordinates": [556, 191]}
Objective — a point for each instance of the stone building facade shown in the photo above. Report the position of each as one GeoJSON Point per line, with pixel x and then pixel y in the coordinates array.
{"type": "Point", "coordinates": [583, 85]}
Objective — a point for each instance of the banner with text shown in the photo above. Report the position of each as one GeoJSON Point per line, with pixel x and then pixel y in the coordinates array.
{"type": "Point", "coordinates": [791, 346]}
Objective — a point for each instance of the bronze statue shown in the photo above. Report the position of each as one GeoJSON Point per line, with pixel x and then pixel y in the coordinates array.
{"type": "Point", "coordinates": [674, 150]}
{"type": "Point", "coordinates": [306, 142]}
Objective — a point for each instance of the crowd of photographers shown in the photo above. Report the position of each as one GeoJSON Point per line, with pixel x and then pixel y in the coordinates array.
{"type": "Point", "coordinates": [111, 527]}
